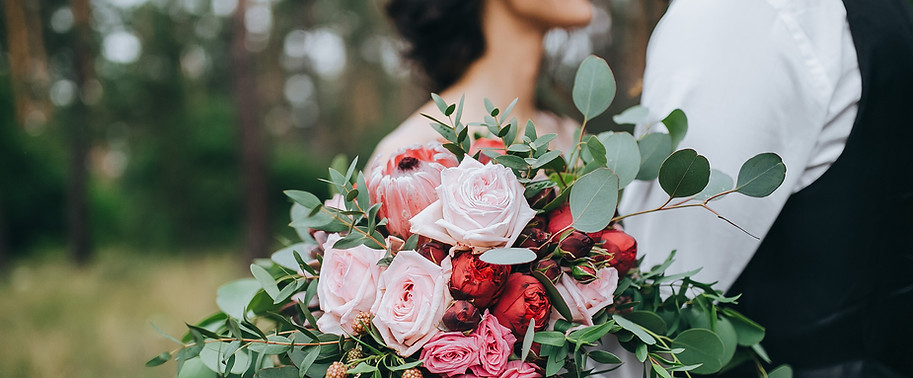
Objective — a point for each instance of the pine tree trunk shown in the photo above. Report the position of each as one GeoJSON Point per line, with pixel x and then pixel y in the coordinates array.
{"type": "Point", "coordinates": [78, 228]}
{"type": "Point", "coordinates": [253, 167]}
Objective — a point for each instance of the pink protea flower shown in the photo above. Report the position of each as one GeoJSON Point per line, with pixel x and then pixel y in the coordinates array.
{"type": "Point", "coordinates": [405, 184]}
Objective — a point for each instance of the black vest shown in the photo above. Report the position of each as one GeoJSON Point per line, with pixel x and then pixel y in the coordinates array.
{"type": "Point", "coordinates": [833, 279]}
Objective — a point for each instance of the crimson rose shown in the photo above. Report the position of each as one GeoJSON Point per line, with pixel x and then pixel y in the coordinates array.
{"type": "Point", "coordinates": [523, 298]}
{"type": "Point", "coordinates": [475, 279]}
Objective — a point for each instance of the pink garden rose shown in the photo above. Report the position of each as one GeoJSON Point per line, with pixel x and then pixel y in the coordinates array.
{"type": "Point", "coordinates": [495, 344]}
{"type": "Point", "coordinates": [450, 353]}
{"type": "Point", "coordinates": [478, 205]}
{"type": "Point", "coordinates": [585, 300]}
{"type": "Point", "coordinates": [347, 285]}
{"type": "Point", "coordinates": [413, 297]}
{"type": "Point", "coordinates": [520, 369]}
{"type": "Point", "coordinates": [405, 184]}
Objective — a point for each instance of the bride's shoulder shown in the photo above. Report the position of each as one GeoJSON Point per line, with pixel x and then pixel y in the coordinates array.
{"type": "Point", "coordinates": [414, 130]}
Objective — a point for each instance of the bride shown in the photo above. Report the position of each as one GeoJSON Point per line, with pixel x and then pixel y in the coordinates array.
{"type": "Point", "coordinates": [481, 49]}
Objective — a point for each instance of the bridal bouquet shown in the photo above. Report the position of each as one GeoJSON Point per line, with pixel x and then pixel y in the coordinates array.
{"type": "Point", "coordinates": [486, 256]}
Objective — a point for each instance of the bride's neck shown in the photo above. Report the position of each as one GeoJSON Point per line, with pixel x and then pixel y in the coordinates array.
{"type": "Point", "coordinates": [508, 68]}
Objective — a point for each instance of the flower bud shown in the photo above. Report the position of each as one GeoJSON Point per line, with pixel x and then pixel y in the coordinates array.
{"type": "Point", "coordinates": [559, 219]}
{"type": "Point", "coordinates": [542, 198]}
{"type": "Point", "coordinates": [434, 251]}
{"type": "Point", "coordinates": [575, 246]}
{"type": "Point", "coordinates": [584, 273]}
{"type": "Point", "coordinates": [532, 238]}
{"type": "Point", "coordinates": [618, 250]}
{"type": "Point", "coordinates": [461, 316]}
{"type": "Point", "coordinates": [548, 268]}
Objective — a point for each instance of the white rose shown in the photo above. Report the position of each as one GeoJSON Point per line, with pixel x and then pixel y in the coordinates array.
{"type": "Point", "coordinates": [478, 206]}
{"type": "Point", "coordinates": [412, 300]}
{"type": "Point", "coordinates": [584, 300]}
{"type": "Point", "coordinates": [347, 285]}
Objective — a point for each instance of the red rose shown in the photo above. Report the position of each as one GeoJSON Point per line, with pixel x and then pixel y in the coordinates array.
{"type": "Point", "coordinates": [619, 250]}
{"type": "Point", "coordinates": [524, 298]}
{"type": "Point", "coordinates": [475, 279]}
{"type": "Point", "coordinates": [483, 144]}
{"type": "Point", "coordinates": [559, 219]}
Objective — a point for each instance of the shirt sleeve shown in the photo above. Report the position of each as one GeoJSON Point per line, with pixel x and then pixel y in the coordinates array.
{"type": "Point", "coordinates": [752, 76]}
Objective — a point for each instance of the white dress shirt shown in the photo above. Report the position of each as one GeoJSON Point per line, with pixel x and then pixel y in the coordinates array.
{"type": "Point", "coordinates": [752, 76]}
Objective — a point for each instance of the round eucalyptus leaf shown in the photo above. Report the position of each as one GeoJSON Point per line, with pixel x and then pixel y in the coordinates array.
{"type": "Point", "coordinates": [702, 346]}
{"type": "Point", "coordinates": [677, 124]}
{"type": "Point", "coordinates": [214, 356]}
{"type": "Point", "coordinates": [593, 199]}
{"type": "Point", "coordinates": [622, 156]}
{"type": "Point", "coordinates": [719, 182]}
{"type": "Point", "coordinates": [761, 175]}
{"type": "Point", "coordinates": [632, 116]}
{"type": "Point", "coordinates": [748, 332]}
{"type": "Point", "coordinates": [233, 297]}
{"type": "Point", "coordinates": [654, 148]}
{"type": "Point", "coordinates": [684, 173]}
{"type": "Point", "coordinates": [194, 368]}
{"type": "Point", "coordinates": [594, 87]}
{"type": "Point", "coordinates": [727, 334]}
{"type": "Point", "coordinates": [782, 371]}
{"type": "Point", "coordinates": [286, 258]}
{"type": "Point", "coordinates": [508, 256]}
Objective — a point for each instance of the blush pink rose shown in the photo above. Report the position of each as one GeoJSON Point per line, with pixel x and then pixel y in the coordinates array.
{"type": "Point", "coordinates": [495, 344]}
{"type": "Point", "coordinates": [450, 353]}
{"type": "Point", "coordinates": [347, 285]}
{"type": "Point", "coordinates": [480, 206]}
{"type": "Point", "coordinates": [520, 369]}
{"type": "Point", "coordinates": [413, 298]}
{"type": "Point", "coordinates": [584, 300]}
{"type": "Point", "coordinates": [405, 184]}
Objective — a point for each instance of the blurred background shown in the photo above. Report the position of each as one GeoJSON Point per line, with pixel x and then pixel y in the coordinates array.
{"type": "Point", "coordinates": [145, 144]}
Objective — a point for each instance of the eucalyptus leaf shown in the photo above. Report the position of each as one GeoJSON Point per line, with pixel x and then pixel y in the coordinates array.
{"type": "Point", "coordinates": [528, 339]}
{"type": "Point", "coordinates": [660, 370]}
{"type": "Point", "coordinates": [511, 161]}
{"type": "Point", "coordinates": [362, 368]}
{"type": "Point", "coordinates": [654, 148]}
{"type": "Point", "coordinates": [233, 297]}
{"type": "Point", "coordinates": [195, 368]}
{"type": "Point", "coordinates": [593, 199]}
{"type": "Point", "coordinates": [632, 116]}
{"type": "Point", "coordinates": [265, 279]}
{"type": "Point", "coordinates": [594, 87]}
{"type": "Point", "coordinates": [649, 320]}
{"type": "Point", "coordinates": [553, 338]}
{"type": "Point", "coordinates": [640, 351]}
{"type": "Point", "coordinates": [782, 371]}
{"type": "Point", "coordinates": [728, 336]}
{"type": "Point", "coordinates": [604, 357]}
{"type": "Point", "coordinates": [761, 175]}
{"type": "Point", "coordinates": [622, 156]}
{"type": "Point", "coordinates": [285, 257]}
{"type": "Point", "coordinates": [677, 124]}
{"type": "Point", "coordinates": [749, 332]}
{"type": "Point", "coordinates": [719, 182]}
{"type": "Point", "coordinates": [508, 256]}
{"type": "Point", "coordinates": [702, 346]}
{"type": "Point", "coordinates": [684, 173]}
{"type": "Point", "coordinates": [214, 356]}
{"type": "Point", "coordinates": [635, 329]}
{"type": "Point", "coordinates": [278, 372]}
{"type": "Point", "coordinates": [439, 102]}
{"type": "Point", "coordinates": [158, 360]}
{"type": "Point", "coordinates": [275, 345]}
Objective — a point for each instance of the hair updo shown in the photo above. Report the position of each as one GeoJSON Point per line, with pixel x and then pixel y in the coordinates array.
{"type": "Point", "coordinates": [444, 36]}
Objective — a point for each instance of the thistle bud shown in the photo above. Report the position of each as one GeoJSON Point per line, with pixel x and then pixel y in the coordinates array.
{"type": "Point", "coordinates": [461, 316]}
{"type": "Point", "coordinates": [575, 246]}
{"type": "Point", "coordinates": [548, 268]}
{"type": "Point", "coordinates": [584, 273]}
{"type": "Point", "coordinates": [434, 251]}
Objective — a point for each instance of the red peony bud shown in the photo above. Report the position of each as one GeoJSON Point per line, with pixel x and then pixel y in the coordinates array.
{"type": "Point", "coordinates": [575, 246]}
{"type": "Point", "coordinates": [559, 219]}
{"type": "Point", "coordinates": [475, 279]}
{"type": "Point", "coordinates": [584, 273]}
{"type": "Point", "coordinates": [619, 250]}
{"type": "Point", "coordinates": [548, 268]}
{"type": "Point", "coordinates": [434, 251]}
{"type": "Point", "coordinates": [524, 298]}
{"type": "Point", "coordinates": [461, 316]}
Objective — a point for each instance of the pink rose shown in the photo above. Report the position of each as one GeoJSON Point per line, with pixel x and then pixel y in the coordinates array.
{"type": "Point", "coordinates": [450, 353]}
{"type": "Point", "coordinates": [585, 300]}
{"type": "Point", "coordinates": [478, 206]}
{"type": "Point", "coordinates": [495, 344]}
{"type": "Point", "coordinates": [347, 285]}
{"type": "Point", "coordinates": [405, 184]}
{"type": "Point", "coordinates": [413, 298]}
{"type": "Point", "coordinates": [520, 369]}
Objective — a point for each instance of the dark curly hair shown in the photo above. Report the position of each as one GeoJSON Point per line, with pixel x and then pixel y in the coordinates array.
{"type": "Point", "coordinates": [444, 36]}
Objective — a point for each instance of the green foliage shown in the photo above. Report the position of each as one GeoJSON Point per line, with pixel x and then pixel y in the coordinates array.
{"type": "Point", "coordinates": [684, 173]}
{"type": "Point", "coordinates": [594, 87]}
{"type": "Point", "coordinates": [593, 200]}
{"type": "Point", "coordinates": [761, 175]}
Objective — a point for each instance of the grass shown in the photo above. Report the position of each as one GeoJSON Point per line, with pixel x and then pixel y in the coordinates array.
{"type": "Point", "coordinates": [58, 320]}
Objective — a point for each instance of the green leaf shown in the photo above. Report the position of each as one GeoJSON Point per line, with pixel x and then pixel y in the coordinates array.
{"type": "Point", "coordinates": [641, 352]}
{"type": "Point", "coordinates": [719, 182]}
{"type": "Point", "coordinates": [508, 256]}
{"type": "Point", "coordinates": [702, 346]}
{"type": "Point", "coordinates": [266, 280]}
{"type": "Point", "coordinates": [591, 334]}
{"type": "Point", "coordinates": [449, 110]}
{"type": "Point", "coordinates": [351, 240]}
{"type": "Point", "coordinates": [546, 158]}
{"type": "Point", "coordinates": [677, 124]}
{"type": "Point", "coordinates": [684, 173]}
{"type": "Point", "coordinates": [748, 331]}
{"type": "Point", "coordinates": [635, 329]}
{"type": "Point", "coordinates": [195, 368]}
{"type": "Point", "coordinates": [364, 200]}
{"type": "Point", "coordinates": [530, 131]}
{"type": "Point", "coordinates": [445, 131]}
{"type": "Point", "coordinates": [604, 357]}
{"type": "Point", "coordinates": [660, 370]}
{"type": "Point", "coordinates": [271, 349]}
{"type": "Point", "coordinates": [554, 296]}
{"type": "Point", "coordinates": [594, 87]}
{"type": "Point", "coordinates": [782, 371]}
{"type": "Point", "coordinates": [278, 372]}
{"type": "Point", "coordinates": [489, 106]}
{"type": "Point", "coordinates": [595, 150]}
{"type": "Point", "coordinates": [622, 156]}
{"type": "Point", "coordinates": [306, 199]}
{"type": "Point", "coordinates": [158, 360]}
{"type": "Point", "coordinates": [761, 352]}
{"type": "Point", "coordinates": [309, 358]}
{"type": "Point", "coordinates": [285, 257]}
{"type": "Point", "coordinates": [362, 368]}
{"type": "Point", "coordinates": [214, 356]}
{"type": "Point", "coordinates": [233, 297]}
{"type": "Point", "coordinates": [649, 320]}
{"type": "Point", "coordinates": [654, 148]}
{"type": "Point", "coordinates": [408, 365]}
{"type": "Point", "coordinates": [511, 161]}
{"type": "Point", "coordinates": [761, 175]}
{"type": "Point", "coordinates": [632, 116]}
{"type": "Point", "coordinates": [553, 338]}
{"type": "Point", "coordinates": [728, 336]}
{"type": "Point", "coordinates": [593, 200]}
{"type": "Point", "coordinates": [528, 339]}
{"type": "Point", "coordinates": [441, 104]}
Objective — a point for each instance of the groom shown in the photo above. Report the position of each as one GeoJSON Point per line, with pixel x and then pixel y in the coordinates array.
{"type": "Point", "coordinates": [828, 85]}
